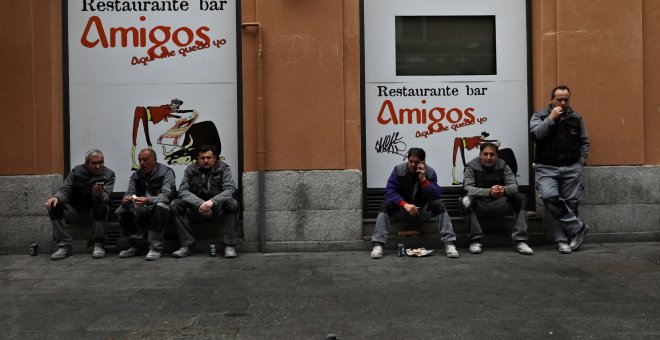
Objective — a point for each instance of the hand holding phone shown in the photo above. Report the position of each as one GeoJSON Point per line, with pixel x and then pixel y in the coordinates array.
{"type": "Point", "coordinates": [421, 171]}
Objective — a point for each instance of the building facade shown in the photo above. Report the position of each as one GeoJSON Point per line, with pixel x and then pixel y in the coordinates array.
{"type": "Point", "coordinates": [301, 95]}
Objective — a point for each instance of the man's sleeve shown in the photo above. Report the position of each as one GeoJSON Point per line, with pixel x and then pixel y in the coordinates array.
{"type": "Point", "coordinates": [166, 190]}
{"type": "Point", "coordinates": [107, 191]}
{"type": "Point", "coordinates": [469, 184]}
{"type": "Point", "coordinates": [63, 194]}
{"type": "Point", "coordinates": [131, 185]}
{"type": "Point", "coordinates": [228, 187]}
{"type": "Point", "coordinates": [584, 143]}
{"type": "Point", "coordinates": [431, 188]}
{"type": "Point", "coordinates": [391, 188]}
{"type": "Point", "coordinates": [540, 125]}
{"type": "Point", "coordinates": [185, 193]}
{"type": "Point", "coordinates": [510, 182]}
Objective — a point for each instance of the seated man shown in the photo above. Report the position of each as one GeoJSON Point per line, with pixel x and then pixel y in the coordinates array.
{"type": "Point", "coordinates": [85, 193]}
{"type": "Point", "coordinates": [207, 192]}
{"type": "Point", "coordinates": [492, 190]}
{"type": "Point", "coordinates": [412, 192]}
{"type": "Point", "coordinates": [145, 207]}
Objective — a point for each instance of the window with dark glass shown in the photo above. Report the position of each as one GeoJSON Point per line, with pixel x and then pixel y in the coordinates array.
{"type": "Point", "coordinates": [445, 45]}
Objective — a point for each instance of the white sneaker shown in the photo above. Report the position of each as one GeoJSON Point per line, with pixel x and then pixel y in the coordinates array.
{"type": "Point", "coordinates": [230, 252]}
{"type": "Point", "coordinates": [182, 252]}
{"type": "Point", "coordinates": [475, 248]}
{"type": "Point", "coordinates": [153, 255]}
{"type": "Point", "coordinates": [99, 251]}
{"type": "Point", "coordinates": [130, 252]}
{"type": "Point", "coordinates": [61, 253]}
{"type": "Point", "coordinates": [450, 250]}
{"type": "Point", "coordinates": [377, 252]}
{"type": "Point", "coordinates": [577, 240]}
{"type": "Point", "coordinates": [564, 248]}
{"type": "Point", "coordinates": [524, 249]}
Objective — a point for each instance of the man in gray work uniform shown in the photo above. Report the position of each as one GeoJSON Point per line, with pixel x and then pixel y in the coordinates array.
{"type": "Point", "coordinates": [145, 207]}
{"type": "Point", "coordinates": [492, 190]}
{"type": "Point", "coordinates": [84, 194]}
{"type": "Point", "coordinates": [207, 192]}
{"type": "Point", "coordinates": [562, 147]}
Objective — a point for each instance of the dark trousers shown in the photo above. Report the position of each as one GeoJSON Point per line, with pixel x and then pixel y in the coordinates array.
{"type": "Point", "coordinates": [474, 208]}
{"type": "Point", "coordinates": [144, 226]}
{"type": "Point", "coordinates": [183, 214]}
{"type": "Point", "coordinates": [431, 209]}
{"type": "Point", "coordinates": [64, 213]}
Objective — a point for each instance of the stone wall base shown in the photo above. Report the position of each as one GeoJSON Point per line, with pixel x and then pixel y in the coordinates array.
{"type": "Point", "coordinates": [23, 215]}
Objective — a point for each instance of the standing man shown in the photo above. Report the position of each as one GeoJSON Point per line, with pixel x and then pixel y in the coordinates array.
{"type": "Point", "coordinates": [492, 190]}
{"type": "Point", "coordinates": [562, 147]}
{"type": "Point", "coordinates": [207, 192]}
{"type": "Point", "coordinates": [145, 207]}
{"type": "Point", "coordinates": [412, 192]}
{"type": "Point", "coordinates": [85, 193]}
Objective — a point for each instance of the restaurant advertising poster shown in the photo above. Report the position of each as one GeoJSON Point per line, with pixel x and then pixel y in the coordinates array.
{"type": "Point", "coordinates": [152, 74]}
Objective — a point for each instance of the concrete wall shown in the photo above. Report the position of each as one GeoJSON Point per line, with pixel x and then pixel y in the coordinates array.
{"type": "Point", "coordinates": [23, 216]}
{"type": "Point", "coordinates": [306, 210]}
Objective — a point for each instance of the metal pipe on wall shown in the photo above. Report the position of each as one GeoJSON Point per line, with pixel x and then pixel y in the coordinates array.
{"type": "Point", "coordinates": [261, 151]}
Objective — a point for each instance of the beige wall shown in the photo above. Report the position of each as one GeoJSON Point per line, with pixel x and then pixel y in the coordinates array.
{"type": "Point", "coordinates": [651, 29]}
{"type": "Point", "coordinates": [311, 84]}
{"type": "Point", "coordinates": [606, 51]}
{"type": "Point", "coordinates": [31, 87]}
{"type": "Point", "coordinates": [601, 50]}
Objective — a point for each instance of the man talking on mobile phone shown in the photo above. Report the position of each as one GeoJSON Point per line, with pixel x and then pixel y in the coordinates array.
{"type": "Point", "coordinates": [85, 193]}
{"type": "Point", "coordinates": [412, 192]}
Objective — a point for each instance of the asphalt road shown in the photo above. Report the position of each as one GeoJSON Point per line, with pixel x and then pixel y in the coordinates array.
{"type": "Point", "coordinates": [603, 291]}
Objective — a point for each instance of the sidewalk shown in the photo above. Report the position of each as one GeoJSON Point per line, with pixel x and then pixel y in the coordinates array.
{"type": "Point", "coordinates": [602, 291]}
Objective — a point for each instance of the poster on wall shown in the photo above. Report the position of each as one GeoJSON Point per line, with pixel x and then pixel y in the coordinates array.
{"type": "Point", "coordinates": [445, 76]}
{"type": "Point", "coordinates": [152, 74]}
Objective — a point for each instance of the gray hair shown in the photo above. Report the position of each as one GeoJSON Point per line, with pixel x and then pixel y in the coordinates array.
{"type": "Point", "coordinates": [152, 152]}
{"type": "Point", "coordinates": [92, 152]}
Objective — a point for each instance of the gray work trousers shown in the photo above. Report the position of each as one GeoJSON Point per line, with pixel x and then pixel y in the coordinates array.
{"type": "Point", "coordinates": [184, 213]}
{"type": "Point", "coordinates": [475, 208]}
{"type": "Point", "coordinates": [432, 209]}
{"type": "Point", "coordinates": [95, 213]}
{"type": "Point", "coordinates": [144, 226]}
{"type": "Point", "coordinates": [560, 188]}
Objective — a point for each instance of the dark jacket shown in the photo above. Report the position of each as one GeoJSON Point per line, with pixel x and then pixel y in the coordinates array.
{"type": "Point", "coordinates": [562, 142]}
{"type": "Point", "coordinates": [198, 186]}
{"type": "Point", "coordinates": [77, 187]}
{"type": "Point", "coordinates": [159, 185]}
{"type": "Point", "coordinates": [477, 179]}
{"type": "Point", "coordinates": [404, 187]}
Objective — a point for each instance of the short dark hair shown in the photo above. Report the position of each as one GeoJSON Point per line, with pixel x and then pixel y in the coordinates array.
{"type": "Point", "coordinates": [482, 146]}
{"type": "Point", "coordinates": [560, 87]}
{"type": "Point", "coordinates": [204, 148]}
{"type": "Point", "coordinates": [419, 152]}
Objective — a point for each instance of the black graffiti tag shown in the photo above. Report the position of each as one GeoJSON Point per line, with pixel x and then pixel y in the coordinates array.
{"type": "Point", "coordinates": [391, 144]}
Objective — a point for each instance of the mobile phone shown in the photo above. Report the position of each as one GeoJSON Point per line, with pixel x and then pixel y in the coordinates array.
{"type": "Point", "coordinates": [100, 183]}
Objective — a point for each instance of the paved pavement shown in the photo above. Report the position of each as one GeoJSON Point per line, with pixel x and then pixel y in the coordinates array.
{"type": "Point", "coordinates": [603, 291]}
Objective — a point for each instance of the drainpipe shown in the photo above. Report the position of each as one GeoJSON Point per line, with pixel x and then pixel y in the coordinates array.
{"type": "Point", "coordinates": [261, 151]}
